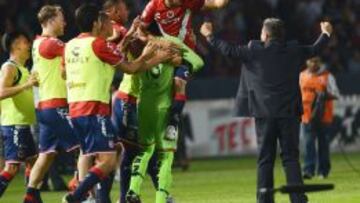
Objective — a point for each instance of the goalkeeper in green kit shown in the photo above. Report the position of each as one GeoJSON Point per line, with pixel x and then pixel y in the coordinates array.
{"type": "Point", "coordinates": [156, 90]}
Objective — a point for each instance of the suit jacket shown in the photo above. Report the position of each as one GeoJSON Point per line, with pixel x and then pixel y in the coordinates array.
{"type": "Point", "coordinates": [269, 83]}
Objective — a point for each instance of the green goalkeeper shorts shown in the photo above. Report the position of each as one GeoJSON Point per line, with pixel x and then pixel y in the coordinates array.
{"type": "Point", "coordinates": [152, 128]}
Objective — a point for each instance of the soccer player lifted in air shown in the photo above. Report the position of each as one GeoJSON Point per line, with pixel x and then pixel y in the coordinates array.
{"type": "Point", "coordinates": [154, 108]}
{"type": "Point", "coordinates": [174, 18]}
{"type": "Point", "coordinates": [56, 133]}
{"type": "Point", "coordinates": [17, 107]}
{"type": "Point", "coordinates": [90, 62]}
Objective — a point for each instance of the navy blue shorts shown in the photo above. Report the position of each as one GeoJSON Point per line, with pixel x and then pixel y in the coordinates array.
{"type": "Point", "coordinates": [56, 133]}
{"type": "Point", "coordinates": [18, 143]}
{"type": "Point", "coordinates": [182, 72]}
{"type": "Point", "coordinates": [95, 133]}
{"type": "Point", "coordinates": [125, 121]}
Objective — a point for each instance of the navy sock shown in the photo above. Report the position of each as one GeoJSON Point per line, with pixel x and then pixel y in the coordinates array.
{"type": "Point", "coordinates": [32, 196]}
{"type": "Point", "coordinates": [177, 108]}
{"type": "Point", "coordinates": [125, 172]}
{"type": "Point", "coordinates": [103, 189]}
{"type": "Point", "coordinates": [5, 179]}
{"type": "Point", "coordinates": [94, 176]}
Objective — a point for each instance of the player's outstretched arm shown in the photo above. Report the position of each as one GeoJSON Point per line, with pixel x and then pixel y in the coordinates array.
{"type": "Point", "coordinates": [215, 4]}
{"type": "Point", "coordinates": [151, 56]}
{"type": "Point", "coordinates": [225, 48]}
{"type": "Point", "coordinates": [321, 42]}
{"type": "Point", "coordinates": [8, 75]}
{"type": "Point", "coordinates": [129, 35]}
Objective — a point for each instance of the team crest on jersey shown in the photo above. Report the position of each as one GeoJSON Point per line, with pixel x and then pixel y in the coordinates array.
{"type": "Point", "coordinates": [155, 72]}
{"type": "Point", "coordinates": [170, 14]}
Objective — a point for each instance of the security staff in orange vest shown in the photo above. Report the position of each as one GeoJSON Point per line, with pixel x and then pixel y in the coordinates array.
{"type": "Point", "coordinates": [319, 90]}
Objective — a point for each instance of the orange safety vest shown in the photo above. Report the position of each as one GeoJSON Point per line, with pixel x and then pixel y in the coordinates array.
{"type": "Point", "coordinates": [310, 84]}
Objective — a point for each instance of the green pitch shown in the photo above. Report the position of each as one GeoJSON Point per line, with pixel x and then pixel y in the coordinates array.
{"type": "Point", "coordinates": [227, 181]}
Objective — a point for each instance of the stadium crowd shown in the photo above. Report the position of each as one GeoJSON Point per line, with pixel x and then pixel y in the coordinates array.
{"type": "Point", "coordinates": [238, 22]}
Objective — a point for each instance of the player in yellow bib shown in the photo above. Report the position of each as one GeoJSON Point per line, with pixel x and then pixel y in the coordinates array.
{"type": "Point", "coordinates": [90, 63]}
{"type": "Point", "coordinates": [17, 107]}
{"type": "Point", "coordinates": [56, 133]}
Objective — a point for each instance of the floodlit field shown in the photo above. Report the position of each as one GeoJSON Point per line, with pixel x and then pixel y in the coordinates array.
{"type": "Point", "coordinates": [227, 181]}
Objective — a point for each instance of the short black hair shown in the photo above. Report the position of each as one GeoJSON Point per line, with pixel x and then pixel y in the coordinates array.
{"type": "Point", "coordinates": [9, 38]}
{"type": "Point", "coordinates": [86, 15]}
{"type": "Point", "coordinates": [275, 28]}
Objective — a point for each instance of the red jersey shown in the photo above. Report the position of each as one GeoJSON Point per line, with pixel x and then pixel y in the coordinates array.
{"type": "Point", "coordinates": [119, 30]}
{"type": "Point", "coordinates": [176, 21]}
{"type": "Point", "coordinates": [51, 47]}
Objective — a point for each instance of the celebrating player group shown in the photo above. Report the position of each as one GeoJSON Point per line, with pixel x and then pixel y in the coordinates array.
{"type": "Point", "coordinates": [136, 131]}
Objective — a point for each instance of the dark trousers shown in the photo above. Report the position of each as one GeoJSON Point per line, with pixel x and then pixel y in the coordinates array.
{"type": "Point", "coordinates": [322, 157]}
{"type": "Point", "coordinates": [269, 132]}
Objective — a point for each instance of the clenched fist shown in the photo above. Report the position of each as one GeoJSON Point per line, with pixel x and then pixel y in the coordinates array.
{"type": "Point", "coordinates": [326, 28]}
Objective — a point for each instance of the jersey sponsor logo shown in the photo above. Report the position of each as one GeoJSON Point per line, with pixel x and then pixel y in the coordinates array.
{"type": "Point", "coordinates": [170, 18]}
{"type": "Point", "coordinates": [75, 51]}
{"type": "Point", "coordinates": [72, 84]}
{"type": "Point", "coordinates": [75, 56]}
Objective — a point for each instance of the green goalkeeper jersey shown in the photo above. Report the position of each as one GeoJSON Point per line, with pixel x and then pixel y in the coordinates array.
{"type": "Point", "coordinates": [156, 84]}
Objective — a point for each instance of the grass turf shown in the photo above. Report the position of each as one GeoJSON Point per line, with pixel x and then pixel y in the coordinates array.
{"type": "Point", "coordinates": [227, 181]}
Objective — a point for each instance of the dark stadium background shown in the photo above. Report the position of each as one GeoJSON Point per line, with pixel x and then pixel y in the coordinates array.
{"type": "Point", "coordinates": [238, 22]}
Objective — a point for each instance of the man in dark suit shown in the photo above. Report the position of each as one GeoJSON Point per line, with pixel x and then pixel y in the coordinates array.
{"type": "Point", "coordinates": [269, 91]}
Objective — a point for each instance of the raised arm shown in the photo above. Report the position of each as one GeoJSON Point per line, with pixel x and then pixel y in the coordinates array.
{"type": "Point", "coordinates": [129, 35]}
{"type": "Point", "coordinates": [225, 48]}
{"type": "Point", "coordinates": [313, 50]}
{"type": "Point", "coordinates": [7, 88]}
{"type": "Point", "coordinates": [215, 4]}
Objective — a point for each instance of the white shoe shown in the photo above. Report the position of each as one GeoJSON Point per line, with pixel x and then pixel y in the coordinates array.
{"type": "Point", "coordinates": [171, 132]}
{"type": "Point", "coordinates": [64, 199]}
